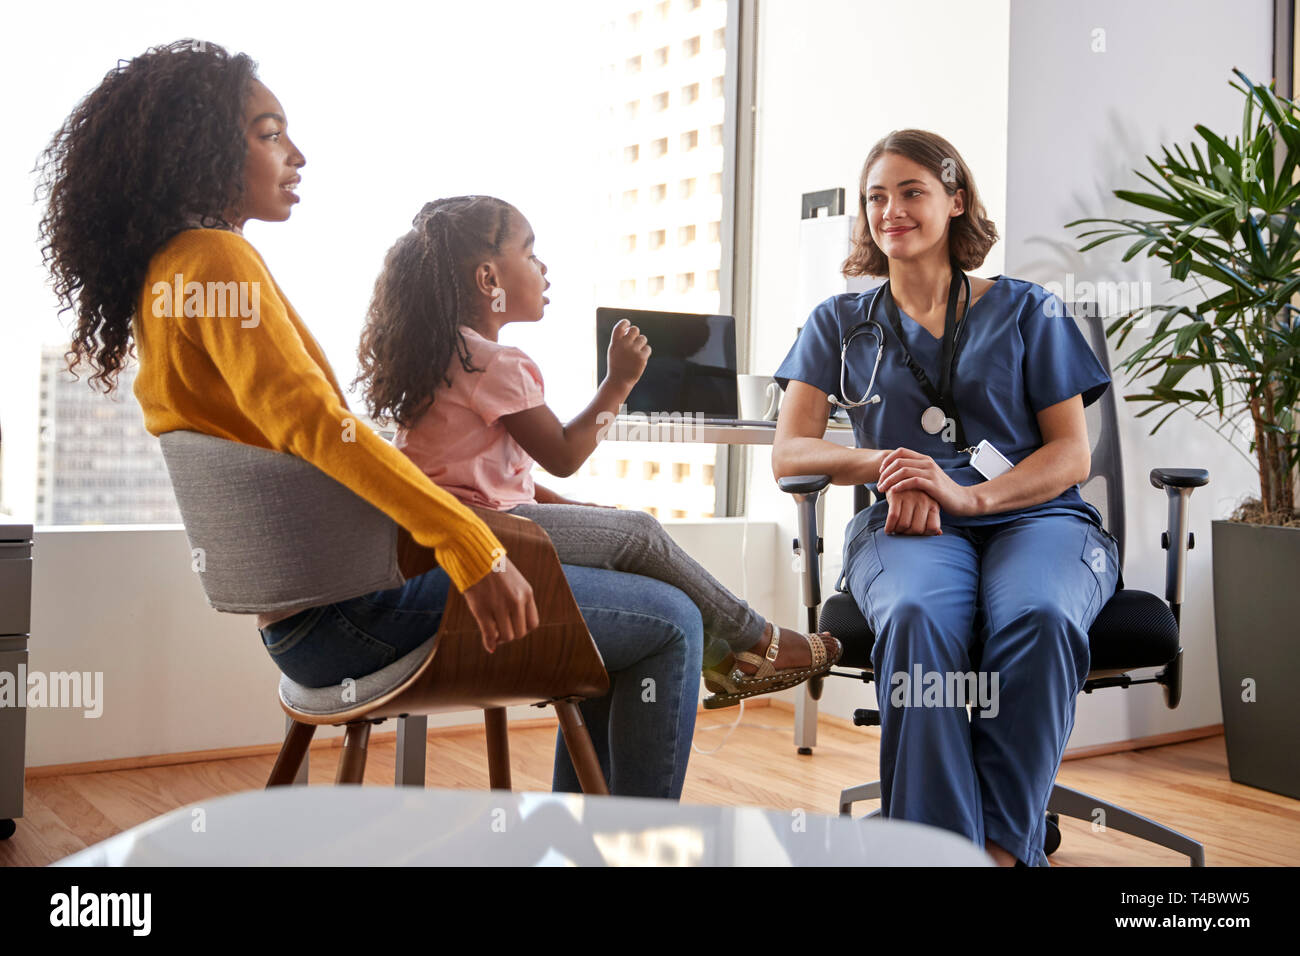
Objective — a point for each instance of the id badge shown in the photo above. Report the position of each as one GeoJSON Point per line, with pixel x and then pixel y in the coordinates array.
{"type": "Point", "coordinates": [988, 461]}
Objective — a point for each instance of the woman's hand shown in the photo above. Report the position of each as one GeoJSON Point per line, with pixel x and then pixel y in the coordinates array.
{"type": "Point", "coordinates": [502, 605]}
{"type": "Point", "coordinates": [912, 512]}
{"type": "Point", "coordinates": [906, 470]}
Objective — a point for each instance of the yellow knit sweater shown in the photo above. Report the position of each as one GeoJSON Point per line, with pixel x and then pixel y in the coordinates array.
{"type": "Point", "coordinates": [230, 357]}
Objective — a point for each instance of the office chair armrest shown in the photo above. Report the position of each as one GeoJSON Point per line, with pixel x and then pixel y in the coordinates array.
{"type": "Point", "coordinates": [803, 484]}
{"type": "Point", "coordinates": [806, 489]}
{"type": "Point", "coordinates": [1177, 484]}
{"type": "Point", "coordinates": [1179, 477]}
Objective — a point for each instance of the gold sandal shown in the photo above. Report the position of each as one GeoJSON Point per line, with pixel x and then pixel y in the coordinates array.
{"type": "Point", "coordinates": [730, 684]}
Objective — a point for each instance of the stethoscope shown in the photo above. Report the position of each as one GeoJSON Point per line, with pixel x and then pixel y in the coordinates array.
{"type": "Point", "coordinates": [872, 326]}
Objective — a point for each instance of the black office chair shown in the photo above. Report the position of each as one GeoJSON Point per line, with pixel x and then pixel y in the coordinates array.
{"type": "Point", "coordinates": [1134, 631]}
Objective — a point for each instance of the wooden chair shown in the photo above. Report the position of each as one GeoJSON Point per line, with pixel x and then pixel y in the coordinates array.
{"type": "Point", "coordinates": [271, 532]}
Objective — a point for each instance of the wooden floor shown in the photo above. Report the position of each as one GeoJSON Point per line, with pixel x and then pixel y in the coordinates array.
{"type": "Point", "coordinates": [1183, 786]}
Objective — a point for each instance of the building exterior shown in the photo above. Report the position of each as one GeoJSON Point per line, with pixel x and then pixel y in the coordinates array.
{"type": "Point", "coordinates": [663, 156]}
{"type": "Point", "coordinates": [96, 463]}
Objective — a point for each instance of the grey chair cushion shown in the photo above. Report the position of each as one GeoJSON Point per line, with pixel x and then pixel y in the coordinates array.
{"type": "Point", "coordinates": [272, 532]}
{"type": "Point", "coordinates": [322, 701]}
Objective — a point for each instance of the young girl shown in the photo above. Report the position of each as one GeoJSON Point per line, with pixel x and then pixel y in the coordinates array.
{"type": "Point", "coordinates": [472, 414]}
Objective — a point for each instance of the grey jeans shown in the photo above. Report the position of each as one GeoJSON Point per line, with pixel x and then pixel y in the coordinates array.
{"type": "Point", "coordinates": [636, 542]}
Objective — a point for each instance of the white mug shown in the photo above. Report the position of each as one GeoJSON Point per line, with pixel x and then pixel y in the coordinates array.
{"type": "Point", "coordinates": [760, 398]}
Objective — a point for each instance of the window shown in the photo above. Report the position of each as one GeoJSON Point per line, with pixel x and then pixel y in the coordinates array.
{"type": "Point", "coordinates": [715, 232]}
{"type": "Point", "coordinates": [621, 467]}
{"type": "Point", "coordinates": [631, 153]}
{"type": "Point", "coordinates": [656, 285]}
{"type": "Point", "coordinates": [715, 183]}
{"type": "Point", "coordinates": [632, 110]}
{"type": "Point", "coordinates": [629, 198]}
{"type": "Point", "coordinates": [715, 134]}
{"type": "Point", "coordinates": [659, 192]}
{"type": "Point", "coordinates": [708, 473]}
{"type": "Point", "coordinates": [691, 47]}
{"type": "Point", "coordinates": [690, 140]}
{"type": "Point", "coordinates": [632, 65]}
{"type": "Point", "coordinates": [661, 9]}
{"type": "Point", "coordinates": [720, 38]}
{"type": "Point", "coordinates": [681, 470]}
{"type": "Point", "coordinates": [659, 147]}
{"type": "Point", "coordinates": [650, 469]}
{"type": "Point", "coordinates": [686, 189]}
{"type": "Point", "coordinates": [657, 239]}
{"type": "Point", "coordinates": [629, 242]}
{"type": "Point", "coordinates": [634, 20]}
{"type": "Point", "coordinates": [627, 289]}
{"type": "Point", "coordinates": [661, 56]}
{"type": "Point", "coordinates": [679, 512]}
{"type": "Point", "coordinates": [719, 86]}
{"type": "Point", "coordinates": [713, 280]}
{"type": "Point", "coordinates": [685, 235]}
{"type": "Point", "coordinates": [690, 94]}
{"type": "Point", "coordinates": [660, 101]}
{"type": "Point", "coordinates": [685, 282]}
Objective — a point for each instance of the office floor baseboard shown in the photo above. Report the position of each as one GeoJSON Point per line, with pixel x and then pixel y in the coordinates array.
{"type": "Point", "coordinates": [257, 750]}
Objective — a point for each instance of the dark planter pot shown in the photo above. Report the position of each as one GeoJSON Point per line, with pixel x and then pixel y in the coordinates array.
{"type": "Point", "coordinates": [1257, 631]}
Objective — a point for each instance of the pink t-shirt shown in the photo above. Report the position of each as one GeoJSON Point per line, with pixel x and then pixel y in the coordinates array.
{"type": "Point", "coordinates": [461, 442]}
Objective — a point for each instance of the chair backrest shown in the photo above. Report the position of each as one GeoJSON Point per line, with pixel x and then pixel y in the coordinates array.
{"type": "Point", "coordinates": [271, 532]}
{"type": "Point", "coordinates": [1104, 489]}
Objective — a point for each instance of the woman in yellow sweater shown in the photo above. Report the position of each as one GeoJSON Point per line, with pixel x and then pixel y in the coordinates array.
{"type": "Point", "coordinates": [150, 181]}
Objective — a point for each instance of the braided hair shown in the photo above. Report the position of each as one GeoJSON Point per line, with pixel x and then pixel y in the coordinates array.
{"type": "Point", "coordinates": [423, 295]}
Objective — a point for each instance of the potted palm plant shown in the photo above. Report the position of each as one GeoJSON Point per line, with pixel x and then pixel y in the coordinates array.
{"type": "Point", "coordinates": [1229, 221]}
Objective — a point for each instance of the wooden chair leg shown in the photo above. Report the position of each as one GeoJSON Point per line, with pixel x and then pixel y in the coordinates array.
{"type": "Point", "coordinates": [581, 751]}
{"type": "Point", "coordinates": [292, 753]}
{"type": "Point", "coordinates": [498, 748]}
{"type": "Point", "coordinates": [352, 764]}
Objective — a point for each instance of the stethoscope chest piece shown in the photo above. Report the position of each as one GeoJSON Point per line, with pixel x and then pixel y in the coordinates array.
{"type": "Point", "coordinates": [933, 419]}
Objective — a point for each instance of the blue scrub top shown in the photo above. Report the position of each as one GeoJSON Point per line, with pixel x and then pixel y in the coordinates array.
{"type": "Point", "coordinates": [1022, 353]}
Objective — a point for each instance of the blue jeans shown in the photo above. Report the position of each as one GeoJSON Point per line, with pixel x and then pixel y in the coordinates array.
{"type": "Point", "coordinates": [649, 634]}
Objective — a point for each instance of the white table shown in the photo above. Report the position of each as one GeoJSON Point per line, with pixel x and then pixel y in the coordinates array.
{"type": "Point", "coordinates": [410, 826]}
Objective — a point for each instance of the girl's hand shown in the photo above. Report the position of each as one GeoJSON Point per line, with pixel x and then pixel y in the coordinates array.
{"type": "Point", "coordinates": [628, 353]}
{"type": "Point", "coordinates": [906, 470]}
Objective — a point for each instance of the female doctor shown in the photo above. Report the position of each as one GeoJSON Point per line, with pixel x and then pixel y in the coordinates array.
{"type": "Point", "coordinates": [968, 568]}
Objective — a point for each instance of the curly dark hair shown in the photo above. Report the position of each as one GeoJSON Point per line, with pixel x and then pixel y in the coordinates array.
{"type": "Point", "coordinates": [970, 235]}
{"type": "Point", "coordinates": [156, 148]}
{"type": "Point", "coordinates": [421, 298]}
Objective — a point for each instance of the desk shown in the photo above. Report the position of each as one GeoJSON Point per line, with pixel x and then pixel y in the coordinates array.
{"type": "Point", "coordinates": [643, 428]}
{"type": "Point", "coordinates": [654, 429]}
{"type": "Point", "coordinates": [410, 826]}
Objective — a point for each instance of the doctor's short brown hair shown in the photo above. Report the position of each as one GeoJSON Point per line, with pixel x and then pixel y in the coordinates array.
{"type": "Point", "coordinates": [970, 235]}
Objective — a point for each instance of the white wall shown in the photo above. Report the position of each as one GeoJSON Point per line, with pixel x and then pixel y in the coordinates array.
{"type": "Point", "coordinates": [834, 77]}
{"type": "Point", "coordinates": [179, 676]}
{"type": "Point", "coordinates": [1080, 122]}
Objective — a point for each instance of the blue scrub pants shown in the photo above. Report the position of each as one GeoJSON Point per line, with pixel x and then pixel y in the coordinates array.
{"type": "Point", "coordinates": [1013, 601]}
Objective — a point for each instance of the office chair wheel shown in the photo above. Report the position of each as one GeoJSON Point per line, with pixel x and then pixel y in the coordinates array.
{"type": "Point", "coordinates": [7, 828]}
{"type": "Point", "coordinates": [1052, 835]}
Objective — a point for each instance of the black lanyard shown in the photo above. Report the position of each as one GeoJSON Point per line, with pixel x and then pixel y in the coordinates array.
{"type": "Point", "coordinates": [952, 340]}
